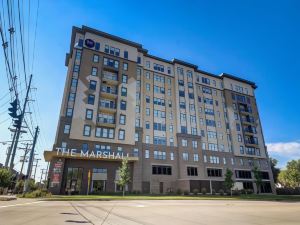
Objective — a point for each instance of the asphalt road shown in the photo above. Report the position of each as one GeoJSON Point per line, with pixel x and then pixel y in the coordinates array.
{"type": "Point", "coordinates": [214, 212]}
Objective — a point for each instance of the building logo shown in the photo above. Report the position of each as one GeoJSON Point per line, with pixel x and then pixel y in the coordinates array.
{"type": "Point", "coordinates": [89, 154]}
{"type": "Point", "coordinates": [89, 43]}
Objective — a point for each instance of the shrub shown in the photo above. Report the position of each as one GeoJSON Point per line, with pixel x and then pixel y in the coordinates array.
{"type": "Point", "coordinates": [179, 192]}
{"type": "Point", "coordinates": [221, 192]}
{"type": "Point", "coordinates": [40, 193]}
{"type": "Point", "coordinates": [32, 185]}
{"type": "Point", "coordinates": [195, 191]}
{"type": "Point", "coordinates": [213, 191]}
{"type": "Point", "coordinates": [19, 186]}
{"type": "Point", "coordinates": [203, 191]}
{"type": "Point", "coordinates": [288, 191]}
{"type": "Point", "coordinates": [136, 192]}
{"type": "Point", "coordinates": [186, 192]}
{"type": "Point", "coordinates": [236, 193]}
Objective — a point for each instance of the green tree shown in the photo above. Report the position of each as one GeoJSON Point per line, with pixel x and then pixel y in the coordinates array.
{"type": "Point", "coordinates": [291, 176]}
{"type": "Point", "coordinates": [275, 170]}
{"type": "Point", "coordinates": [257, 177]}
{"type": "Point", "coordinates": [5, 178]}
{"type": "Point", "coordinates": [229, 182]}
{"type": "Point", "coordinates": [124, 175]}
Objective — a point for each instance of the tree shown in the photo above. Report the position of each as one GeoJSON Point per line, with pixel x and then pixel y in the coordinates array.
{"type": "Point", "coordinates": [275, 170]}
{"type": "Point", "coordinates": [5, 178]}
{"type": "Point", "coordinates": [258, 178]}
{"type": "Point", "coordinates": [291, 176]}
{"type": "Point", "coordinates": [124, 175]}
{"type": "Point", "coordinates": [229, 182]}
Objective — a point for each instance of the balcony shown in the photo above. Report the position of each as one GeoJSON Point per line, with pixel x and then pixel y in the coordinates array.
{"type": "Point", "coordinates": [110, 78]}
{"type": "Point", "coordinates": [108, 92]}
{"type": "Point", "coordinates": [109, 107]}
{"type": "Point", "coordinates": [106, 122]}
{"type": "Point", "coordinates": [251, 142]}
{"type": "Point", "coordinates": [248, 120]}
{"type": "Point", "coordinates": [250, 130]}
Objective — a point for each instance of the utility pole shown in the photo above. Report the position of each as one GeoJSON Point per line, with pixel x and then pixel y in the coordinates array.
{"type": "Point", "coordinates": [44, 171]}
{"type": "Point", "coordinates": [26, 150]}
{"type": "Point", "coordinates": [29, 169]}
{"type": "Point", "coordinates": [19, 126]}
{"type": "Point", "coordinates": [35, 167]}
{"type": "Point", "coordinates": [9, 150]}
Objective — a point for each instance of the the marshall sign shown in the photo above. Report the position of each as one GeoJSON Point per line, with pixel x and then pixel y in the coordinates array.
{"type": "Point", "coordinates": [64, 152]}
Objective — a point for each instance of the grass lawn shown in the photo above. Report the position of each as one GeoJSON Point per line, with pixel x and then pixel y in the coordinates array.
{"type": "Point", "coordinates": [167, 197]}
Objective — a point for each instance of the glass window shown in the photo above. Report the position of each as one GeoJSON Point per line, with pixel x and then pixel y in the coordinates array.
{"type": "Point", "coordinates": [124, 79]}
{"type": "Point", "coordinates": [121, 134]}
{"type": "Point", "coordinates": [147, 154]}
{"type": "Point", "coordinates": [67, 128]}
{"type": "Point", "coordinates": [126, 54]}
{"type": "Point", "coordinates": [93, 85]}
{"type": "Point", "coordinates": [87, 130]}
{"type": "Point", "coordinates": [96, 58]}
{"type": "Point", "coordinates": [123, 105]}
{"type": "Point", "coordinates": [124, 91]}
{"type": "Point", "coordinates": [125, 66]}
{"type": "Point", "coordinates": [89, 114]}
{"type": "Point", "coordinates": [122, 119]}
{"type": "Point", "coordinates": [91, 99]}
{"type": "Point", "coordinates": [94, 71]}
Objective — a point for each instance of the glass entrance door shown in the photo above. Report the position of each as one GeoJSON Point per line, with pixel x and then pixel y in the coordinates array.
{"type": "Point", "coordinates": [98, 186]}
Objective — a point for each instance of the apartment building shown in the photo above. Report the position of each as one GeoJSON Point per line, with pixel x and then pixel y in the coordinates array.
{"type": "Point", "coordinates": [178, 126]}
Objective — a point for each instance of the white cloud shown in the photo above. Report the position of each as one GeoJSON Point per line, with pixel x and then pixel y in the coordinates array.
{"type": "Point", "coordinates": [285, 148]}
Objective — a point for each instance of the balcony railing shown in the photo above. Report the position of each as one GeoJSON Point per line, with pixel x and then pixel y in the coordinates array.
{"type": "Point", "coordinates": [106, 120]}
{"type": "Point", "coordinates": [248, 120]}
{"type": "Point", "coordinates": [110, 76]}
{"type": "Point", "coordinates": [250, 130]}
{"type": "Point", "coordinates": [108, 105]}
{"type": "Point", "coordinates": [109, 90]}
{"type": "Point", "coordinates": [251, 142]}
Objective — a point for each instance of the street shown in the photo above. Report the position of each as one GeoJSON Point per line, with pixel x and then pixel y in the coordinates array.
{"type": "Point", "coordinates": [215, 212]}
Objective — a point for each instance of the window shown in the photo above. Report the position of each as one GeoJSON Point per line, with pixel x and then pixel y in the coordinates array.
{"type": "Point", "coordinates": [159, 140]}
{"type": "Point", "coordinates": [126, 54]}
{"type": "Point", "coordinates": [203, 146]}
{"type": "Point", "coordinates": [147, 125]}
{"type": "Point", "coordinates": [147, 154]}
{"type": "Point", "coordinates": [106, 49]}
{"type": "Point", "coordinates": [242, 149]}
{"type": "Point", "coordinates": [147, 139]}
{"type": "Point", "coordinates": [136, 152]}
{"type": "Point", "coordinates": [124, 79]}
{"type": "Point", "coordinates": [147, 87]}
{"type": "Point", "coordinates": [196, 157]}
{"type": "Point", "coordinates": [212, 134]}
{"type": "Point", "coordinates": [124, 91]}
{"type": "Point", "coordinates": [239, 138]}
{"type": "Point", "coordinates": [76, 68]}
{"type": "Point", "coordinates": [214, 172]}
{"type": "Point", "coordinates": [205, 80]}
{"type": "Point", "coordinates": [136, 136]}
{"type": "Point", "coordinates": [160, 155]}
{"type": "Point", "coordinates": [72, 97]}
{"type": "Point", "coordinates": [123, 105]}
{"type": "Point", "coordinates": [161, 170]}
{"type": "Point", "coordinates": [67, 128]}
{"type": "Point", "coordinates": [194, 144]}
{"type": "Point", "coordinates": [243, 174]}
{"type": "Point", "coordinates": [91, 99]}
{"type": "Point", "coordinates": [122, 119]}
{"type": "Point", "coordinates": [125, 66]}
{"type": "Point", "coordinates": [171, 141]}
{"type": "Point", "coordinates": [89, 114]}
{"type": "Point", "coordinates": [147, 111]}
{"type": "Point", "coordinates": [121, 134]}
{"type": "Point", "coordinates": [214, 159]}
{"type": "Point", "coordinates": [94, 71]}
{"type": "Point", "coordinates": [211, 123]}
{"type": "Point", "coordinates": [87, 130]}
{"type": "Point", "coordinates": [139, 60]}
{"type": "Point", "coordinates": [185, 156]}
{"type": "Point", "coordinates": [158, 67]}
{"type": "Point", "coordinates": [192, 171]}
{"type": "Point", "coordinates": [74, 82]}
{"type": "Point", "coordinates": [105, 132]}
{"type": "Point", "coordinates": [93, 85]}
{"type": "Point", "coordinates": [97, 46]}
{"type": "Point", "coordinates": [184, 143]}
{"type": "Point", "coordinates": [96, 58]}
{"type": "Point", "coordinates": [172, 155]}
{"type": "Point", "coordinates": [69, 112]}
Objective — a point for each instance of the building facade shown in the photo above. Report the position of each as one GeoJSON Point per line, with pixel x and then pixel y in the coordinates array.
{"type": "Point", "coordinates": [180, 127]}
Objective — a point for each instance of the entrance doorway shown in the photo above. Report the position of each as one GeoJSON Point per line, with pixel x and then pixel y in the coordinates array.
{"type": "Point", "coordinates": [98, 186]}
{"type": "Point", "coordinates": [161, 187]}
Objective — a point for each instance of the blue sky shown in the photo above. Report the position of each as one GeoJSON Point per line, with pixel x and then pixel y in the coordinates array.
{"type": "Point", "coordinates": [256, 40]}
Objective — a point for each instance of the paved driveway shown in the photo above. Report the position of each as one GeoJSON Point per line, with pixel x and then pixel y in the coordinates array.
{"type": "Point", "coordinates": [214, 212]}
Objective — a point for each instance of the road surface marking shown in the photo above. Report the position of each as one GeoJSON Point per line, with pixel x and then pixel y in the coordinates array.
{"type": "Point", "coordinates": [28, 203]}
